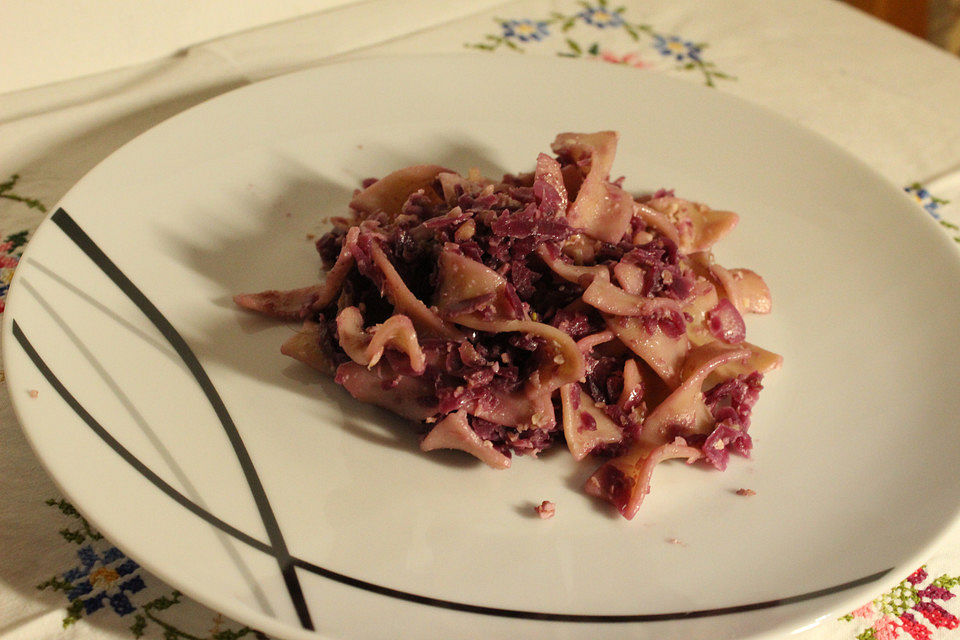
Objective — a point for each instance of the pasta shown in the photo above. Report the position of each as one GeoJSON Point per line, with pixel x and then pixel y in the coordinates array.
{"type": "Point", "coordinates": [507, 317]}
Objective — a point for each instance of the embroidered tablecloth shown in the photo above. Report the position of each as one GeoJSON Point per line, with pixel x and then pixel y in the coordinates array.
{"type": "Point", "coordinates": [890, 99]}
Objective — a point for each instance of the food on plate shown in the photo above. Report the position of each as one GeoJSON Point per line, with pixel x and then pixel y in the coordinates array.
{"type": "Point", "coordinates": [546, 308]}
{"type": "Point", "coordinates": [546, 510]}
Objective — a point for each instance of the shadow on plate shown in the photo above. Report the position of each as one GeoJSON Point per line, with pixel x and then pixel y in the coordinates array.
{"type": "Point", "coordinates": [276, 251]}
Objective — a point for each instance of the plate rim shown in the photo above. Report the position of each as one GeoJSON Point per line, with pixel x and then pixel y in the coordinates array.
{"type": "Point", "coordinates": [241, 613]}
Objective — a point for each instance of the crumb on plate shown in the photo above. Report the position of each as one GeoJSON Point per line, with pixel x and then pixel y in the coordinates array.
{"type": "Point", "coordinates": [546, 510]}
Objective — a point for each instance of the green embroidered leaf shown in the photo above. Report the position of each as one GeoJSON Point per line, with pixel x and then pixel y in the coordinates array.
{"type": "Point", "coordinates": [229, 634]}
{"type": "Point", "coordinates": [691, 60]}
{"type": "Point", "coordinates": [17, 239]}
{"type": "Point", "coordinates": [898, 600]}
{"type": "Point", "coordinates": [65, 507]}
{"type": "Point", "coordinates": [6, 191]}
{"type": "Point", "coordinates": [163, 602]}
{"type": "Point", "coordinates": [69, 510]}
{"type": "Point", "coordinates": [9, 184]}
{"type": "Point", "coordinates": [73, 536]}
{"type": "Point", "coordinates": [139, 626]}
{"type": "Point", "coordinates": [947, 582]}
{"type": "Point", "coordinates": [74, 613]}
{"type": "Point", "coordinates": [55, 583]}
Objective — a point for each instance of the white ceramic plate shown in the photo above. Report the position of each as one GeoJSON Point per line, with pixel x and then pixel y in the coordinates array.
{"type": "Point", "coordinates": [263, 490]}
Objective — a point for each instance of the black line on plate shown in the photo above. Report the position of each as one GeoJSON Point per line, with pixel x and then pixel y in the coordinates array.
{"type": "Point", "coordinates": [584, 617]}
{"type": "Point", "coordinates": [123, 452]}
{"type": "Point", "coordinates": [117, 389]}
{"type": "Point", "coordinates": [388, 591]}
{"type": "Point", "coordinates": [288, 563]}
{"type": "Point", "coordinates": [73, 231]}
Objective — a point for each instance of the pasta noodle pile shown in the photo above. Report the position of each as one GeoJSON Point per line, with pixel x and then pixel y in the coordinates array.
{"type": "Point", "coordinates": [549, 307]}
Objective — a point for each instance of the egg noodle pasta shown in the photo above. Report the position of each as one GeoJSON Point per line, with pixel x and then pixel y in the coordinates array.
{"type": "Point", "coordinates": [552, 307]}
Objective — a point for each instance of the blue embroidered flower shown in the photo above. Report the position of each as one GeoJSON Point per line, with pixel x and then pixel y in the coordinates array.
{"type": "Point", "coordinates": [525, 30]}
{"type": "Point", "coordinates": [923, 197]}
{"type": "Point", "coordinates": [677, 47]}
{"type": "Point", "coordinates": [99, 580]}
{"type": "Point", "coordinates": [600, 16]}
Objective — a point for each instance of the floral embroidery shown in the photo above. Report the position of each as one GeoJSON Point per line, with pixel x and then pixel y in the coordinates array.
{"type": "Point", "coordinates": [600, 16]}
{"type": "Point", "coordinates": [101, 579]}
{"type": "Point", "coordinates": [218, 631]}
{"type": "Point", "coordinates": [932, 205]}
{"type": "Point", "coordinates": [629, 59]}
{"type": "Point", "coordinates": [909, 610]}
{"type": "Point", "coordinates": [524, 30]}
{"type": "Point", "coordinates": [6, 192]}
{"type": "Point", "coordinates": [10, 251]}
{"type": "Point", "coordinates": [951, 228]}
{"type": "Point", "coordinates": [11, 247]}
{"type": "Point", "coordinates": [632, 59]}
{"type": "Point", "coordinates": [925, 199]}
{"type": "Point", "coordinates": [515, 33]}
{"type": "Point", "coordinates": [103, 576]}
{"type": "Point", "coordinates": [104, 579]}
{"type": "Point", "coordinates": [676, 47]}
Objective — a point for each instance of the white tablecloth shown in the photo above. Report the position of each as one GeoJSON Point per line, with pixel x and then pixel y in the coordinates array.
{"type": "Point", "coordinates": [890, 99]}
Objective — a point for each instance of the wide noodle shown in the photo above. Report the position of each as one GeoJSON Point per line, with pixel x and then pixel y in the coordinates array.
{"type": "Point", "coordinates": [554, 307]}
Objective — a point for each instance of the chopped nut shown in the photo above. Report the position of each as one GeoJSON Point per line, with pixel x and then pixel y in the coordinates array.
{"type": "Point", "coordinates": [746, 492]}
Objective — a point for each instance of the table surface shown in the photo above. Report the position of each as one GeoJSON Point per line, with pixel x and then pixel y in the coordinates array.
{"type": "Point", "coordinates": [888, 98]}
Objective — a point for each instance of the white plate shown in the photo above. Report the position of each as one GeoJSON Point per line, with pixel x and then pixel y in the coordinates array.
{"type": "Point", "coordinates": [323, 513]}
